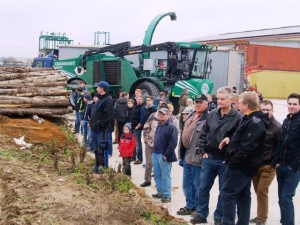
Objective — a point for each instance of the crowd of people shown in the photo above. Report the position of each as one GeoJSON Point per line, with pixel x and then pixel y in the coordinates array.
{"type": "Point", "coordinates": [234, 137]}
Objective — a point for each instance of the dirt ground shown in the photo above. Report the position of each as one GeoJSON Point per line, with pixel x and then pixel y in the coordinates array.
{"type": "Point", "coordinates": [52, 182]}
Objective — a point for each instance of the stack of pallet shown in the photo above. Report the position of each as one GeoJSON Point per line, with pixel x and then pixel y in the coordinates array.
{"type": "Point", "coordinates": [28, 91]}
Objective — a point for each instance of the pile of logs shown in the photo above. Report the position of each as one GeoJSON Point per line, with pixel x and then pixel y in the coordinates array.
{"type": "Point", "coordinates": [29, 91]}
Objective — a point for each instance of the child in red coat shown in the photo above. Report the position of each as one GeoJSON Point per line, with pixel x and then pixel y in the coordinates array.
{"type": "Point", "coordinates": [126, 148]}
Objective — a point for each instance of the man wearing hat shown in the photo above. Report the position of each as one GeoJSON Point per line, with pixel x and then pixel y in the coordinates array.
{"type": "Point", "coordinates": [100, 123]}
{"type": "Point", "coordinates": [163, 154]}
{"type": "Point", "coordinates": [191, 160]}
{"type": "Point", "coordinates": [220, 123]}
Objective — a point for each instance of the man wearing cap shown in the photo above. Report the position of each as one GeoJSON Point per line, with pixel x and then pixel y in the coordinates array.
{"type": "Point", "coordinates": [163, 154]}
{"type": "Point", "coordinates": [191, 160]}
{"type": "Point", "coordinates": [220, 123]}
{"type": "Point", "coordinates": [100, 122]}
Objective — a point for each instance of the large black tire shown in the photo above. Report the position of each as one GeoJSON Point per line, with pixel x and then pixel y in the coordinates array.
{"type": "Point", "coordinates": [149, 88]}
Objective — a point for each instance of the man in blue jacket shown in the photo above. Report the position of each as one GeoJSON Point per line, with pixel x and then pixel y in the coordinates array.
{"type": "Point", "coordinates": [288, 160]}
{"type": "Point", "coordinates": [163, 154]}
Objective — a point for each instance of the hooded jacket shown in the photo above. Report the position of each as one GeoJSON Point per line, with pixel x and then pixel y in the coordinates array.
{"type": "Point", "coordinates": [245, 150]}
{"type": "Point", "coordinates": [120, 109]}
{"type": "Point", "coordinates": [127, 145]}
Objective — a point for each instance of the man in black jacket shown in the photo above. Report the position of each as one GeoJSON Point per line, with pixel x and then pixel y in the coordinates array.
{"type": "Point", "coordinates": [220, 123]}
{"type": "Point", "coordinates": [100, 123]}
{"type": "Point", "coordinates": [266, 172]}
{"type": "Point", "coordinates": [138, 119]}
{"type": "Point", "coordinates": [245, 152]}
{"type": "Point", "coordinates": [288, 160]}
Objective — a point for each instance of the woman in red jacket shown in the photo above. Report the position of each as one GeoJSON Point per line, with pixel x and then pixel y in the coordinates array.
{"type": "Point", "coordinates": [126, 148]}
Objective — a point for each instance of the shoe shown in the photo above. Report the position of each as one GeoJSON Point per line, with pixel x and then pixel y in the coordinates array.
{"type": "Point", "coordinates": [185, 211]}
{"type": "Point", "coordinates": [198, 219]}
{"type": "Point", "coordinates": [137, 162]}
{"type": "Point", "coordinates": [75, 131]}
{"type": "Point", "coordinates": [218, 221]}
{"type": "Point", "coordinates": [145, 184]}
{"type": "Point", "coordinates": [157, 195]}
{"type": "Point", "coordinates": [254, 220]}
{"type": "Point", "coordinates": [260, 223]}
{"type": "Point", "coordinates": [115, 142]}
{"type": "Point", "coordinates": [194, 214]}
{"type": "Point", "coordinates": [166, 199]}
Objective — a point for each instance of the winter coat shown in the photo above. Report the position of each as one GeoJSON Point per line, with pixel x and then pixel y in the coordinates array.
{"type": "Point", "coordinates": [102, 115]}
{"type": "Point", "coordinates": [138, 116]}
{"type": "Point", "coordinates": [127, 145]}
{"type": "Point", "coordinates": [150, 110]}
{"type": "Point", "coordinates": [150, 129]}
{"type": "Point", "coordinates": [245, 150]}
{"type": "Point", "coordinates": [288, 151]}
{"type": "Point", "coordinates": [271, 142]}
{"type": "Point", "coordinates": [88, 111]}
{"type": "Point", "coordinates": [191, 157]}
{"type": "Point", "coordinates": [165, 140]}
{"type": "Point", "coordinates": [79, 107]}
{"type": "Point", "coordinates": [120, 109]}
{"type": "Point", "coordinates": [128, 114]}
{"type": "Point", "coordinates": [215, 130]}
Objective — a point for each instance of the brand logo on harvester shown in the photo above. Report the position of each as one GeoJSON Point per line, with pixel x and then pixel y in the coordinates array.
{"type": "Point", "coordinates": [67, 63]}
{"type": "Point", "coordinates": [204, 88]}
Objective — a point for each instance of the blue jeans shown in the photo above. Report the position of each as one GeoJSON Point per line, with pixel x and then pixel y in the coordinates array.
{"type": "Point", "coordinates": [139, 147]}
{"type": "Point", "coordinates": [162, 175]}
{"type": "Point", "coordinates": [109, 138]}
{"type": "Point", "coordinates": [236, 192]}
{"type": "Point", "coordinates": [210, 169]}
{"type": "Point", "coordinates": [101, 156]}
{"type": "Point", "coordinates": [287, 184]}
{"type": "Point", "coordinates": [79, 117]}
{"type": "Point", "coordinates": [191, 184]}
{"type": "Point", "coordinates": [87, 133]}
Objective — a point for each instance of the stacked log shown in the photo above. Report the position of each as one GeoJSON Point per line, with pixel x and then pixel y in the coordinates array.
{"type": "Point", "coordinates": [30, 91]}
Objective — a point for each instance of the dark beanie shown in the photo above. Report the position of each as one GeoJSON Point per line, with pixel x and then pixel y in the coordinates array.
{"type": "Point", "coordinates": [88, 97]}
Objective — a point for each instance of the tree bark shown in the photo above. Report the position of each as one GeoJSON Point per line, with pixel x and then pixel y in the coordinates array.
{"type": "Point", "coordinates": [37, 80]}
{"type": "Point", "coordinates": [35, 111]}
{"type": "Point", "coordinates": [35, 91]}
{"type": "Point", "coordinates": [14, 76]}
{"type": "Point", "coordinates": [51, 101]}
{"type": "Point", "coordinates": [58, 84]}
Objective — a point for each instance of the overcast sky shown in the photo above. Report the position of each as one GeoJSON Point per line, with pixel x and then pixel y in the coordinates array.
{"type": "Point", "coordinates": [22, 21]}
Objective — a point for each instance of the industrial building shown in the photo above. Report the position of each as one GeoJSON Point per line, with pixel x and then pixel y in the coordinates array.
{"type": "Point", "coordinates": [272, 58]}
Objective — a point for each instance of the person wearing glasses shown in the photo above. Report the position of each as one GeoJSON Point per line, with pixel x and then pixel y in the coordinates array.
{"type": "Point", "coordinates": [266, 172]}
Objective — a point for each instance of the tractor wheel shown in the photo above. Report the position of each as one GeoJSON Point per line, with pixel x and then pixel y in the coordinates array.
{"type": "Point", "coordinates": [149, 88]}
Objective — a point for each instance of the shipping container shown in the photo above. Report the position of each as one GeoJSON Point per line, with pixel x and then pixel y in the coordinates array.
{"type": "Point", "coordinates": [276, 84]}
{"type": "Point", "coordinates": [273, 57]}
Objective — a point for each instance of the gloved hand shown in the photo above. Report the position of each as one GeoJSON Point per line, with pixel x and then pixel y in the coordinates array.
{"type": "Point", "coordinates": [180, 163]}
